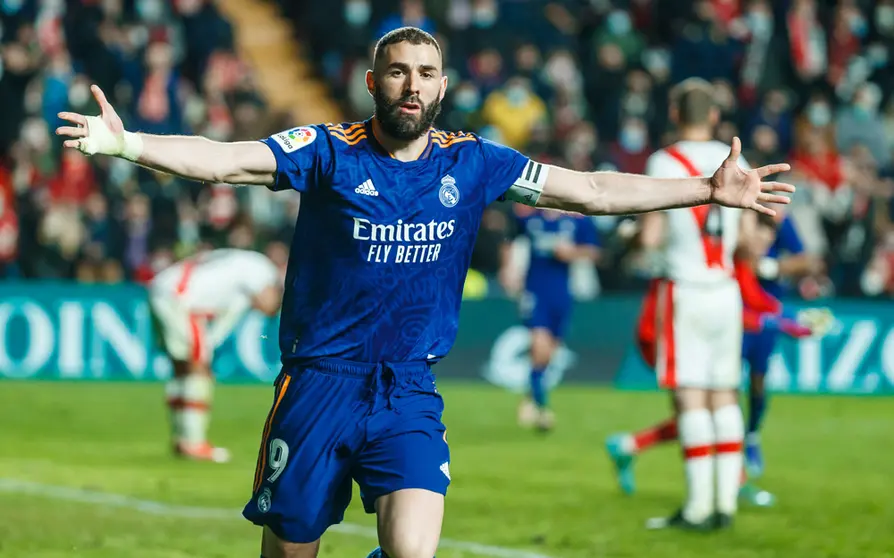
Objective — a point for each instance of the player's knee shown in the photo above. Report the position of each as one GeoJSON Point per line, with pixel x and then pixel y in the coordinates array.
{"type": "Point", "coordinates": [723, 398]}
{"type": "Point", "coordinates": [757, 385]}
{"type": "Point", "coordinates": [541, 348]}
{"type": "Point", "coordinates": [274, 547]}
{"type": "Point", "coordinates": [690, 399]}
{"type": "Point", "coordinates": [410, 545]}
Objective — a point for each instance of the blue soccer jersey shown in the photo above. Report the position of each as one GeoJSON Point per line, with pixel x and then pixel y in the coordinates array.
{"type": "Point", "coordinates": [382, 247]}
{"type": "Point", "coordinates": [372, 296]}
{"type": "Point", "coordinates": [547, 300]}
{"type": "Point", "coordinates": [545, 230]}
{"type": "Point", "coordinates": [788, 241]}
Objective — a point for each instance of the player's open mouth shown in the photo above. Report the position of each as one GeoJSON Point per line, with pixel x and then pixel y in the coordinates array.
{"type": "Point", "coordinates": [411, 108]}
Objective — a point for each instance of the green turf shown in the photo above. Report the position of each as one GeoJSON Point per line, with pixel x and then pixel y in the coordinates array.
{"type": "Point", "coordinates": [830, 462]}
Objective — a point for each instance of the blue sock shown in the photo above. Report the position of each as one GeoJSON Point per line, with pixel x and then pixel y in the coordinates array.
{"type": "Point", "coordinates": [538, 392]}
{"type": "Point", "coordinates": [757, 405]}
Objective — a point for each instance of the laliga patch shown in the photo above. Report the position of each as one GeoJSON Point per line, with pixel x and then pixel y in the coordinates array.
{"type": "Point", "coordinates": [296, 138]}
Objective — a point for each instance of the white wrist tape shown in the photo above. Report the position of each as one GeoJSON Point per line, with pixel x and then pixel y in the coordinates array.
{"type": "Point", "coordinates": [768, 268]}
{"type": "Point", "coordinates": [101, 140]}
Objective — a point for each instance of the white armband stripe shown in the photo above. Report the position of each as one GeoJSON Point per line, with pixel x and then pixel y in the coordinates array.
{"type": "Point", "coordinates": [529, 186]}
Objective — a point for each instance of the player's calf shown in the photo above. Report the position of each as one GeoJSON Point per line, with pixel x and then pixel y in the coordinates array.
{"type": "Point", "coordinates": [542, 345]}
{"type": "Point", "coordinates": [729, 430]}
{"type": "Point", "coordinates": [757, 406]}
{"type": "Point", "coordinates": [409, 523]}
{"type": "Point", "coordinates": [697, 438]}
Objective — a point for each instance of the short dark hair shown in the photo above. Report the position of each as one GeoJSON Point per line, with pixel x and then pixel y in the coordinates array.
{"type": "Point", "coordinates": [412, 35]}
{"type": "Point", "coordinates": [764, 220]}
{"type": "Point", "coordinates": [694, 100]}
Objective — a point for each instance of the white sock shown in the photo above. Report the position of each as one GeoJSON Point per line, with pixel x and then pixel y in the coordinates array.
{"type": "Point", "coordinates": [174, 397]}
{"type": "Point", "coordinates": [730, 429]}
{"type": "Point", "coordinates": [197, 389]}
{"type": "Point", "coordinates": [696, 431]}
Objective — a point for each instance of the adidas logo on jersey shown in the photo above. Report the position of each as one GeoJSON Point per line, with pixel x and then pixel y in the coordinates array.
{"type": "Point", "coordinates": [367, 189]}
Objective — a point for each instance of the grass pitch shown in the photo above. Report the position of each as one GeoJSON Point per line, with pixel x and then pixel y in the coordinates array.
{"type": "Point", "coordinates": [830, 461]}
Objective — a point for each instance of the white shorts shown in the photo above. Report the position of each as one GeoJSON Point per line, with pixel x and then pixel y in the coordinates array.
{"type": "Point", "coordinates": [182, 334]}
{"type": "Point", "coordinates": [695, 331]}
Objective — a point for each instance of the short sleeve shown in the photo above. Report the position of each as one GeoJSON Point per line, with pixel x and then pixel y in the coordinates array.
{"type": "Point", "coordinates": [788, 238]}
{"type": "Point", "coordinates": [303, 157]}
{"type": "Point", "coordinates": [586, 233]}
{"type": "Point", "coordinates": [503, 166]}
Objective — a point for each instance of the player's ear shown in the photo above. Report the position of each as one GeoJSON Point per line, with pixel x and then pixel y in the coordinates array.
{"type": "Point", "coordinates": [370, 82]}
{"type": "Point", "coordinates": [674, 114]}
{"type": "Point", "coordinates": [443, 88]}
{"type": "Point", "coordinates": [714, 116]}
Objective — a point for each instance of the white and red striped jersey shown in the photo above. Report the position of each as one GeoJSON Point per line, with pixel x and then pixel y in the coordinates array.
{"type": "Point", "coordinates": [699, 242]}
{"type": "Point", "coordinates": [211, 282]}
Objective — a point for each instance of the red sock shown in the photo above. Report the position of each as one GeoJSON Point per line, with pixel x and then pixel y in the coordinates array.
{"type": "Point", "coordinates": [662, 432]}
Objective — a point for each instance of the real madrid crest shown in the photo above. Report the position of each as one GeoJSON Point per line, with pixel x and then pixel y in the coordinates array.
{"type": "Point", "coordinates": [449, 193]}
{"type": "Point", "coordinates": [265, 500]}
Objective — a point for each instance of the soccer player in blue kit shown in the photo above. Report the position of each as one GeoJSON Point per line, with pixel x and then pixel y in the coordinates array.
{"type": "Point", "coordinates": [557, 239]}
{"type": "Point", "coordinates": [784, 260]}
{"type": "Point", "coordinates": [390, 209]}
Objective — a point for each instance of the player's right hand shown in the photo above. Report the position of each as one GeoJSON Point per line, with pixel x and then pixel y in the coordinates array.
{"type": "Point", "coordinates": [565, 252]}
{"type": "Point", "coordinates": [103, 134]}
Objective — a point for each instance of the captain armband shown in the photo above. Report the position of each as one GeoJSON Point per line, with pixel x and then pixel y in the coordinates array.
{"type": "Point", "coordinates": [529, 186]}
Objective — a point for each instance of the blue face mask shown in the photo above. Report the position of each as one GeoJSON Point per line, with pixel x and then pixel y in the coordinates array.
{"type": "Point", "coordinates": [484, 18]}
{"type": "Point", "coordinates": [633, 139]}
{"type": "Point", "coordinates": [819, 114]}
{"type": "Point", "coordinates": [467, 100]}
{"type": "Point", "coordinates": [619, 22]}
{"type": "Point", "coordinates": [517, 95]}
{"type": "Point", "coordinates": [11, 7]}
{"type": "Point", "coordinates": [357, 13]}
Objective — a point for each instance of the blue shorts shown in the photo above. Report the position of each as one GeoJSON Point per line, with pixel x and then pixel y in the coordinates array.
{"type": "Point", "coordinates": [333, 421]}
{"type": "Point", "coordinates": [548, 313]}
{"type": "Point", "coordinates": [757, 349]}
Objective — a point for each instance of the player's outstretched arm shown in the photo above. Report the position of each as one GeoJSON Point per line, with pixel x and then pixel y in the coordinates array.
{"type": "Point", "coordinates": [192, 157]}
{"type": "Point", "coordinates": [613, 193]}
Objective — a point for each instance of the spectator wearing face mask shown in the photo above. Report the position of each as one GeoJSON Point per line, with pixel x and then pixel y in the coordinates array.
{"type": "Point", "coordinates": [775, 113]}
{"type": "Point", "coordinates": [463, 108]}
{"type": "Point", "coordinates": [631, 152]}
{"type": "Point", "coordinates": [858, 123]}
{"type": "Point", "coordinates": [618, 31]}
{"type": "Point", "coordinates": [514, 110]}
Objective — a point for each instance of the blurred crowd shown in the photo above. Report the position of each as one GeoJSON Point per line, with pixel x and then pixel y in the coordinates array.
{"type": "Point", "coordinates": [580, 83]}
{"type": "Point", "coordinates": [169, 67]}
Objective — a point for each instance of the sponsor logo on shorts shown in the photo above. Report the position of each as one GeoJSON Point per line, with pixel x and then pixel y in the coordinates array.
{"type": "Point", "coordinates": [265, 500]}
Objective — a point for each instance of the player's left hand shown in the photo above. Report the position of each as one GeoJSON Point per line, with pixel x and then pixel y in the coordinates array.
{"type": "Point", "coordinates": [733, 186]}
{"type": "Point", "coordinates": [820, 321]}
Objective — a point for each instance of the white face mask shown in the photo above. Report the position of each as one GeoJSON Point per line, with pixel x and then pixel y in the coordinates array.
{"type": "Point", "coordinates": [819, 114]}
{"type": "Point", "coordinates": [78, 95]}
{"type": "Point", "coordinates": [357, 13]}
{"type": "Point", "coordinates": [151, 11]}
{"type": "Point", "coordinates": [884, 18]}
{"type": "Point", "coordinates": [633, 139]}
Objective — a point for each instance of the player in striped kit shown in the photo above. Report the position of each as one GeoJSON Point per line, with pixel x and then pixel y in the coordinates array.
{"type": "Point", "coordinates": [691, 327]}
{"type": "Point", "coordinates": [195, 305]}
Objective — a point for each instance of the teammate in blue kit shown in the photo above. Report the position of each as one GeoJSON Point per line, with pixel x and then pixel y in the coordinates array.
{"type": "Point", "coordinates": [389, 214]}
{"type": "Point", "coordinates": [557, 240]}
{"type": "Point", "coordinates": [785, 259]}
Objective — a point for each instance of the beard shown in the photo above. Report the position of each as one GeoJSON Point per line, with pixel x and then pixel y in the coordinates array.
{"type": "Point", "coordinates": [401, 126]}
